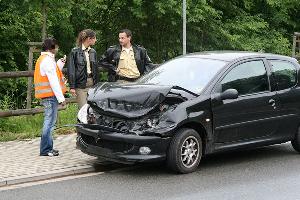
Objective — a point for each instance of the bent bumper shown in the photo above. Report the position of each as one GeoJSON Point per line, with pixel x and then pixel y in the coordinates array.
{"type": "Point", "coordinates": [118, 147]}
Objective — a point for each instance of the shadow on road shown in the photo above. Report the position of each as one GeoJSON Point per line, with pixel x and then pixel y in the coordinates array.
{"type": "Point", "coordinates": [259, 158]}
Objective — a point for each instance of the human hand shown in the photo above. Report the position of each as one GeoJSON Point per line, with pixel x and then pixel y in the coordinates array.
{"type": "Point", "coordinates": [61, 62]}
{"type": "Point", "coordinates": [73, 92]}
{"type": "Point", "coordinates": [63, 103]}
{"type": "Point", "coordinates": [64, 59]}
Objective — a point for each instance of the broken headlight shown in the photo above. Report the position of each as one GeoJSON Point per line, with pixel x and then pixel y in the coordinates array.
{"type": "Point", "coordinates": [82, 114]}
{"type": "Point", "coordinates": [86, 115]}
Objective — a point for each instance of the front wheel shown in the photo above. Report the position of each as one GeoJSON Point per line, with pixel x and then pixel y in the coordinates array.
{"type": "Point", "coordinates": [185, 151]}
{"type": "Point", "coordinates": [296, 141]}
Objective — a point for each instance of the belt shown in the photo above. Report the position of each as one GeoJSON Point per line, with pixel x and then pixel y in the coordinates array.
{"type": "Point", "coordinates": [90, 75]}
{"type": "Point", "coordinates": [126, 78]}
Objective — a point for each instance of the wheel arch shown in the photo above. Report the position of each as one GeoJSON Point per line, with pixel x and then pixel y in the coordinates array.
{"type": "Point", "coordinates": [199, 128]}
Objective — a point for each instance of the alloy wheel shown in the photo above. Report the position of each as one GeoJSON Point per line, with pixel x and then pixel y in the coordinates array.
{"type": "Point", "coordinates": [189, 151]}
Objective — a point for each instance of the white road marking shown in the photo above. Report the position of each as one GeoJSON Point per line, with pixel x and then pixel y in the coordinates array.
{"type": "Point", "coordinates": [52, 180]}
{"type": "Point", "coordinates": [22, 185]}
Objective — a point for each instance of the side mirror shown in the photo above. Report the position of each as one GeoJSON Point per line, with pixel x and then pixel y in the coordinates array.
{"type": "Point", "coordinates": [229, 94]}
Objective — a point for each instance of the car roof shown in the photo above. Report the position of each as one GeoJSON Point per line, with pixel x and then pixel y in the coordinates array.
{"type": "Point", "coordinates": [234, 55]}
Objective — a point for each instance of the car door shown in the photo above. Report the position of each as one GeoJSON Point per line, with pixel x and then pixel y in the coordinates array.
{"type": "Point", "coordinates": [253, 114]}
{"type": "Point", "coordinates": [284, 78]}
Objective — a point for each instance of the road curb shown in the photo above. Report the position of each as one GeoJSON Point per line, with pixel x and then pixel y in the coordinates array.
{"type": "Point", "coordinates": [47, 175]}
{"type": "Point", "coordinates": [2, 182]}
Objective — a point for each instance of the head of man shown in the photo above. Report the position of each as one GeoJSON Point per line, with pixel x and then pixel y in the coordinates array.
{"type": "Point", "coordinates": [50, 45]}
{"type": "Point", "coordinates": [125, 36]}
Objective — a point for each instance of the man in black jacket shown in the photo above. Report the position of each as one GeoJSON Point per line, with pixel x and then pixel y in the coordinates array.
{"type": "Point", "coordinates": [126, 62]}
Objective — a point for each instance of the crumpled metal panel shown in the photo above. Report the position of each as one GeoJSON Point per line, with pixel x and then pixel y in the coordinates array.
{"type": "Point", "coordinates": [127, 100]}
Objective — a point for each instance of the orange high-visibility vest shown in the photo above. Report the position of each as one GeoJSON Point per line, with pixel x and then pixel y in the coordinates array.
{"type": "Point", "coordinates": [41, 83]}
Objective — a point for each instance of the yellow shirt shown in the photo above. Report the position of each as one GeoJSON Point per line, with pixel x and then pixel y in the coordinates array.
{"type": "Point", "coordinates": [127, 66]}
{"type": "Point", "coordinates": [87, 57]}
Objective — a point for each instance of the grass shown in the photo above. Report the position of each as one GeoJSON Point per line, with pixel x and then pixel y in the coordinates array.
{"type": "Point", "coordinates": [30, 126]}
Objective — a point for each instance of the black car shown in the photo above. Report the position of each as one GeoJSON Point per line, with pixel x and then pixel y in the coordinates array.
{"type": "Point", "coordinates": [192, 106]}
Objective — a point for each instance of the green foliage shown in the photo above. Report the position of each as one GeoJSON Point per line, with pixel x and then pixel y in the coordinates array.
{"type": "Point", "coordinates": [103, 76]}
{"type": "Point", "coordinates": [251, 25]}
{"type": "Point", "coordinates": [13, 93]}
{"type": "Point", "coordinates": [22, 127]}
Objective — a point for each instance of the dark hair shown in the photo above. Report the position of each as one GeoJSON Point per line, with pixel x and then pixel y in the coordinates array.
{"type": "Point", "coordinates": [127, 31]}
{"type": "Point", "coordinates": [83, 35]}
{"type": "Point", "coordinates": [49, 44]}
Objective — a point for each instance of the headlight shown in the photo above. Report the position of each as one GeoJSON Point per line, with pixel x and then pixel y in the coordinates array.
{"type": "Point", "coordinates": [82, 114]}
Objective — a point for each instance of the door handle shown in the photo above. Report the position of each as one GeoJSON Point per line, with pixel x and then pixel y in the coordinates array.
{"type": "Point", "coordinates": [272, 103]}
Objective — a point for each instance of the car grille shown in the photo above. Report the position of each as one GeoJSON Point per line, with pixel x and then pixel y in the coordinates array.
{"type": "Point", "coordinates": [115, 146]}
{"type": "Point", "coordinates": [115, 123]}
{"type": "Point", "coordinates": [126, 126]}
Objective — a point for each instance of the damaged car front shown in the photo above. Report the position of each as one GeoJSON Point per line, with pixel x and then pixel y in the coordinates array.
{"type": "Point", "coordinates": [129, 123]}
{"type": "Point", "coordinates": [135, 122]}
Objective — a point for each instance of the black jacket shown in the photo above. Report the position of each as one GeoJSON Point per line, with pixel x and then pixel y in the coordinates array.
{"type": "Point", "coordinates": [77, 69]}
{"type": "Point", "coordinates": [110, 60]}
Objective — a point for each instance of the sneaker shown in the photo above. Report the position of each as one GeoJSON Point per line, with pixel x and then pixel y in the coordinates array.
{"type": "Point", "coordinates": [51, 153]}
{"type": "Point", "coordinates": [55, 150]}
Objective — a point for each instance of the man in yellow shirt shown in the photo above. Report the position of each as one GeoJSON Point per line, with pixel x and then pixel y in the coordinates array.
{"type": "Point", "coordinates": [126, 61]}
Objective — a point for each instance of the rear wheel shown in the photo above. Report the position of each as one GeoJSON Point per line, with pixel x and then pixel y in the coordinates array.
{"type": "Point", "coordinates": [296, 141]}
{"type": "Point", "coordinates": [185, 151]}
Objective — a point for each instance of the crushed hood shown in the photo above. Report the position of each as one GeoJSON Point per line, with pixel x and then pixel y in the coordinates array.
{"type": "Point", "coordinates": [127, 100]}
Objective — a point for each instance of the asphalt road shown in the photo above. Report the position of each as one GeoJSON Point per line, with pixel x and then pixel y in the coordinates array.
{"type": "Point", "coordinates": [264, 173]}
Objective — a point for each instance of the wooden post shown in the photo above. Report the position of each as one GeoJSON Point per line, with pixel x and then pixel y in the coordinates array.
{"type": "Point", "coordinates": [30, 111]}
{"type": "Point", "coordinates": [294, 47]}
{"type": "Point", "coordinates": [16, 74]}
{"type": "Point", "coordinates": [32, 49]}
{"type": "Point", "coordinates": [29, 85]}
{"type": "Point", "coordinates": [298, 41]}
{"type": "Point", "coordinates": [44, 28]}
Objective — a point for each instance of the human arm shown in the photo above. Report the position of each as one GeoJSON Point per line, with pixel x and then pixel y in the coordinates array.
{"type": "Point", "coordinates": [48, 68]}
{"type": "Point", "coordinates": [71, 70]}
{"type": "Point", "coordinates": [94, 66]}
{"type": "Point", "coordinates": [147, 62]}
{"type": "Point", "coordinates": [106, 60]}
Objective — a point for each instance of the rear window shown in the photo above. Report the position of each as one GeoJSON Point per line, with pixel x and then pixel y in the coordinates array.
{"type": "Point", "coordinates": [284, 73]}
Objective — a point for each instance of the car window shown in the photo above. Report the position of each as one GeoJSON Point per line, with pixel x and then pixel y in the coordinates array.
{"type": "Point", "coordinates": [246, 78]}
{"type": "Point", "coordinates": [188, 72]}
{"type": "Point", "coordinates": [284, 73]}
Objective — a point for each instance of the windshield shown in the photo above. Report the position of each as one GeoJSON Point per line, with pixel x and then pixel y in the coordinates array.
{"type": "Point", "coordinates": [190, 73]}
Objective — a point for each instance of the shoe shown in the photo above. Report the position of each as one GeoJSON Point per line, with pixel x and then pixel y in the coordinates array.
{"type": "Point", "coordinates": [55, 150]}
{"type": "Point", "coordinates": [51, 153]}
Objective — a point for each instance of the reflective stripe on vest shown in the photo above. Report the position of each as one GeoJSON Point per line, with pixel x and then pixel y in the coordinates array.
{"type": "Point", "coordinates": [41, 83]}
{"type": "Point", "coordinates": [45, 83]}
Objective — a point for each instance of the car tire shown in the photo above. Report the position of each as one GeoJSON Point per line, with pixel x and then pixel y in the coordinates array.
{"type": "Point", "coordinates": [185, 151]}
{"type": "Point", "coordinates": [296, 141]}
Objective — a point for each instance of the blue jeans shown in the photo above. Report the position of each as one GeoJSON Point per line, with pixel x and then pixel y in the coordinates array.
{"type": "Point", "coordinates": [50, 116]}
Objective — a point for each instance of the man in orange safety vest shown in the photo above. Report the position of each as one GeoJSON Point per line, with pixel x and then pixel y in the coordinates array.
{"type": "Point", "coordinates": [50, 88]}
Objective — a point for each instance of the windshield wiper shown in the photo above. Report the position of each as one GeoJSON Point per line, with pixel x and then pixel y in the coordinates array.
{"type": "Point", "coordinates": [180, 88]}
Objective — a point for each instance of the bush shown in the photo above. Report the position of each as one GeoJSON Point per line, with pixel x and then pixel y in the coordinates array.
{"type": "Point", "coordinates": [24, 127]}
